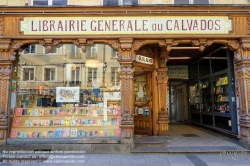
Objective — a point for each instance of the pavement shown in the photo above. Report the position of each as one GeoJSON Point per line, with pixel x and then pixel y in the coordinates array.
{"type": "Point", "coordinates": [187, 145]}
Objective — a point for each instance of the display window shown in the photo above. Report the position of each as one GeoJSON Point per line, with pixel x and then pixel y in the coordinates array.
{"type": "Point", "coordinates": [66, 93]}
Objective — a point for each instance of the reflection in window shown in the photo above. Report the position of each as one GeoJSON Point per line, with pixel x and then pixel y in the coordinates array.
{"type": "Point", "coordinates": [28, 73]}
{"type": "Point", "coordinates": [200, 1]}
{"type": "Point", "coordinates": [75, 52]}
{"type": "Point", "coordinates": [75, 75]}
{"type": "Point", "coordinates": [40, 2]}
{"type": "Point", "coordinates": [49, 2]}
{"type": "Point", "coordinates": [30, 49]}
{"type": "Point", "coordinates": [91, 52]}
{"type": "Point", "coordinates": [59, 2]}
{"type": "Point", "coordinates": [181, 1]}
{"type": "Point", "coordinates": [130, 2]}
{"type": "Point", "coordinates": [52, 51]}
{"type": "Point", "coordinates": [49, 74]}
{"type": "Point", "coordinates": [110, 2]}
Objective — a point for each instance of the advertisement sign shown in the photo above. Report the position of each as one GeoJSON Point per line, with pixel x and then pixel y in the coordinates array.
{"type": "Point", "coordinates": [67, 94]}
{"type": "Point", "coordinates": [180, 72]}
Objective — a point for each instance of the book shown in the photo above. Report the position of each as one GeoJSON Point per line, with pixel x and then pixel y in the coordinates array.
{"type": "Point", "coordinates": [67, 121]}
{"type": "Point", "coordinates": [78, 121]}
{"type": "Point", "coordinates": [119, 120]}
{"type": "Point", "coordinates": [91, 133]}
{"type": "Point", "coordinates": [86, 133]}
{"type": "Point", "coordinates": [19, 134]}
{"type": "Point", "coordinates": [30, 122]}
{"type": "Point", "coordinates": [61, 122]}
{"type": "Point", "coordinates": [35, 112]}
{"type": "Point", "coordinates": [30, 112]}
{"type": "Point", "coordinates": [111, 133]}
{"type": "Point", "coordinates": [51, 112]}
{"type": "Point", "coordinates": [83, 122]}
{"type": "Point", "coordinates": [69, 111]}
{"type": "Point", "coordinates": [34, 134]}
{"type": "Point", "coordinates": [29, 134]}
{"type": "Point", "coordinates": [96, 134]}
{"type": "Point", "coordinates": [75, 111]}
{"type": "Point", "coordinates": [99, 122]}
{"type": "Point", "coordinates": [41, 122]}
{"type": "Point", "coordinates": [41, 112]}
{"type": "Point", "coordinates": [16, 121]}
{"type": "Point", "coordinates": [101, 133]}
{"type": "Point", "coordinates": [51, 122]}
{"type": "Point", "coordinates": [94, 122]}
{"type": "Point", "coordinates": [39, 134]}
{"type": "Point", "coordinates": [113, 121]}
{"type": "Point", "coordinates": [66, 132]}
{"type": "Point", "coordinates": [73, 122]}
{"type": "Point", "coordinates": [50, 134]}
{"type": "Point", "coordinates": [13, 133]}
{"type": "Point", "coordinates": [24, 112]}
{"type": "Point", "coordinates": [19, 111]}
{"type": "Point", "coordinates": [217, 90]}
{"type": "Point", "coordinates": [58, 133]}
{"type": "Point", "coordinates": [80, 133]}
{"type": "Point", "coordinates": [225, 80]}
{"type": "Point", "coordinates": [57, 112]}
{"type": "Point", "coordinates": [44, 134]}
{"type": "Point", "coordinates": [56, 122]}
{"type": "Point", "coordinates": [26, 123]}
{"type": "Point", "coordinates": [45, 112]}
{"type": "Point", "coordinates": [46, 122]}
{"type": "Point", "coordinates": [82, 111]}
{"type": "Point", "coordinates": [24, 134]}
{"type": "Point", "coordinates": [61, 112]}
{"type": "Point", "coordinates": [118, 132]}
{"type": "Point", "coordinates": [89, 122]}
{"type": "Point", "coordinates": [35, 122]}
{"type": "Point", "coordinates": [73, 132]}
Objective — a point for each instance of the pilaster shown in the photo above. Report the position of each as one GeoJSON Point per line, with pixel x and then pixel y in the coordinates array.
{"type": "Point", "coordinates": [242, 76]}
{"type": "Point", "coordinates": [126, 75]}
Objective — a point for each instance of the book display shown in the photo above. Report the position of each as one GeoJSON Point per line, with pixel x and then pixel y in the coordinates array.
{"type": "Point", "coordinates": [66, 122]}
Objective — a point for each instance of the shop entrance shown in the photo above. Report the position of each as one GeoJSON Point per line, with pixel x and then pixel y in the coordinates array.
{"type": "Point", "coordinates": [178, 109]}
{"type": "Point", "coordinates": [143, 102]}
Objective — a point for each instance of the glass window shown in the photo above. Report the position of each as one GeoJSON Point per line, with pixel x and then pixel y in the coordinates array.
{"type": "Point", "coordinates": [130, 2]}
{"type": "Point", "coordinates": [52, 51]}
{"type": "Point", "coordinates": [181, 1]}
{"type": "Point", "coordinates": [204, 66]}
{"type": "Point", "coordinates": [49, 73]}
{"type": "Point", "coordinates": [110, 2]}
{"type": "Point", "coordinates": [219, 61]}
{"type": "Point", "coordinates": [91, 52]}
{"type": "Point", "coordinates": [75, 52]}
{"type": "Point", "coordinates": [200, 1]}
{"type": "Point", "coordinates": [28, 73]}
{"type": "Point", "coordinates": [59, 2]}
{"type": "Point", "coordinates": [30, 49]}
{"type": "Point", "coordinates": [49, 2]}
{"type": "Point", "coordinates": [40, 2]}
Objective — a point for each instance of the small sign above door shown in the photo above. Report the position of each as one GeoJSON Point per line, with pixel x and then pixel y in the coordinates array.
{"type": "Point", "coordinates": [144, 59]}
{"type": "Point", "coordinates": [180, 72]}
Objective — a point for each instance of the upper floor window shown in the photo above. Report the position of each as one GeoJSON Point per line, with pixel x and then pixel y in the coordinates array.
{"type": "Point", "coordinates": [75, 52]}
{"type": "Point", "coordinates": [30, 49]}
{"type": "Point", "coordinates": [53, 50]}
{"type": "Point", "coordinates": [91, 52]}
{"type": "Point", "coordinates": [28, 73]}
{"type": "Point", "coordinates": [119, 2]}
{"type": "Point", "coordinates": [49, 73]}
{"type": "Point", "coordinates": [48, 2]}
{"type": "Point", "coordinates": [192, 2]}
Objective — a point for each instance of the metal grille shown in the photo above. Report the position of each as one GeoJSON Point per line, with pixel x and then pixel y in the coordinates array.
{"type": "Point", "coordinates": [179, 103]}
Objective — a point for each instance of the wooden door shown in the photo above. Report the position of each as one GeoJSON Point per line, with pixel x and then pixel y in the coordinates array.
{"type": "Point", "coordinates": [143, 104]}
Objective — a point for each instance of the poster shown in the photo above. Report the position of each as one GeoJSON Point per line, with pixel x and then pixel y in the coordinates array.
{"type": "Point", "coordinates": [67, 94]}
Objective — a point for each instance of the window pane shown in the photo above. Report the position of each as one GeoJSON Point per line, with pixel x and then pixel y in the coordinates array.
{"type": "Point", "coordinates": [130, 2]}
{"type": "Point", "coordinates": [110, 2]}
{"type": "Point", "coordinates": [29, 49]}
{"type": "Point", "coordinates": [40, 2]}
{"type": "Point", "coordinates": [59, 2]}
{"type": "Point", "coordinates": [181, 1]}
{"type": "Point", "coordinates": [201, 1]}
{"type": "Point", "coordinates": [52, 51]}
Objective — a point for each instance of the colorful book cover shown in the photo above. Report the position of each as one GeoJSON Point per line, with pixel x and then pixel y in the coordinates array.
{"type": "Point", "coordinates": [91, 133]}
{"type": "Point", "coordinates": [26, 122]}
{"type": "Point", "coordinates": [50, 134]}
{"type": "Point", "coordinates": [109, 122]}
{"type": "Point", "coordinates": [24, 134]}
{"type": "Point", "coordinates": [78, 121]}
{"type": "Point", "coordinates": [34, 134]}
{"type": "Point", "coordinates": [16, 121]}
{"type": "Point", "coordinates": [39, 134]}
{"type": "Point", "coordinates": [44, 134]}
{"type": "Point", "coordinates": [35, 112]}
{"type": "Point", "coordinates": [73, 122]}
{"type": "Point", "coordinates": [45, 112]}
{"type": "Point", "coordinates": [41, 122]}
{"type": "Point", "coordinates": [30, 122]}
{"type": "Point", "coordinates": [61, 122]}
{"type": "Point", "coordinates": [86, 133]}
{"type": "Point", "coordinates": [69, 111]}
{"type": "Point", "coordinates": [113, 121]}
{"type": "Point", "coordinates": [24, 112]}
{"type": "Point", "coordinates": [51, 112]}
{"type": "Point", "coordinates": [83, 122]}
{"type": "Point", "coordinates": [96, 134]}
{"type": "Point", "coordinates": [111, 133]}
{"type": "Point", "coordinates": [46, 122]}
{"type": "Point", "coordinates": [73, 132]}
{"type": "Point", "coordinates": [87, 111]}
{"type": "Point", "coordinates": [82, 111]}
{"type": "Point", "coordinates": [80, 133]}
{"type": "Point", "coordinates": [56, 122]}
{"type": "Point", "coordinates": [41, 112]}
{"type": "Point", "coordinates": [101, 133]}
{"type": "Point", "coordinates": [94, 122]}
{"type": "Point", "coordinates": [225, 81]}
{"type": "Point", "coordinates": [13, 133]}
{"type": "Point", "coordinates": [119, 110]}
{"type": "Point", "coordinates": [217, 90]}
{"type": "Point", "coordinates": [29, 134]}
{"type": "Point", "coordinates": [35, 122]}
{"type": "Point", "coordinates": [61, 112]}
{"type": "Point", "coordinates": [67, 121]}
{"type": "Point", "coordinates": [67, 105]}
{"type": "Point", "coordinates": [99, 122]}
{"type": "Point", "coordinates": [58, 133]}
{"type": "Point", "coordinates": [104, 122]}
{"type": "Point", "coordinates": [75, 111]}
{"type": "Point", "coordinates": [57, 112]}
{"type": "Point", "coordinates": [19, 111]}
{"type": "Point", "coordinates": [66, 132]}
{"type": "Point", "coordinates": [19, 135]}
{"type": "Point", "coordinates": [118, 132]}
{"type": "Point", "coordinates": [118, 122]}
{"type": "Point", "coordinates": [89, 122]}
{"type": "Point", "coordinates": [30, 112]}
{"type": "Point", "coordinates": [51, 122]}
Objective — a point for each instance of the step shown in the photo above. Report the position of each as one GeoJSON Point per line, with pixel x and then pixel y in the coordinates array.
{"type": "Point", "coordinates": [151, 141]}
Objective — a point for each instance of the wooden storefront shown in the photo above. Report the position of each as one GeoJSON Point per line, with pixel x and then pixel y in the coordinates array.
{"type": "Point", "coordinates": [146, 31]}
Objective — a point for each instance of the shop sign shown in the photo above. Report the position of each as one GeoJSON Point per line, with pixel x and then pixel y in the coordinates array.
{"type": "Point", "coordinates": [180, 72]}
{"type": "Point", "coordinates": [126, 25]}
{"type": "Point", "coordinates": [144, 59]}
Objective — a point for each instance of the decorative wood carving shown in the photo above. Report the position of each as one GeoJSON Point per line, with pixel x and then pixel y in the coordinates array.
{"type": "Point", "coordinates": [248, 25]}
{"type": "Point", "coordinates": [137, 44]}
{"type": "Point", "coordinates": [233, 45]}
{"type": "Point", "coordinates": [126, 133]}
{"type": "Point", "coordinates": [82, 43]}
{"type": "Point", "coordinates": [1, 25]}
{"type": "Point", "coordinates": [147, 51]}
{"type": "Point", "coordinates": [163, 114]}
{"type": "Point", "coordinates": [202, 43]}
{"type": "Point", "coordinates": [127, 118]}
{"type": "Point", "coordinates": [49, 43]}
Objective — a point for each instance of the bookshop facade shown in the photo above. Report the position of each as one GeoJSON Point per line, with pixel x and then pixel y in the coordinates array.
{"type": "Point", "coordinates": [67, 75]}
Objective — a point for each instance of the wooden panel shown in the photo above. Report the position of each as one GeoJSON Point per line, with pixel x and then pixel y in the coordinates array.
{"type": "Point", "coordinates": [143, 125]}
{"type": "Point", "coordinates": [240, 26]}
{"type": "Point", "coordinates": [12, 26]}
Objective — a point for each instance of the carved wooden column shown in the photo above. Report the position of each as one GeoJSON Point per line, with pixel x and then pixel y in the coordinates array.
{"type": "Point", "coordinates": [162, 80]}
{"type": "Point", "coordinates": [126, 75]}
{"type": "Point", "coordinates": [5, 75]}
{"type": "Point", "coordinates": [242, 76]}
